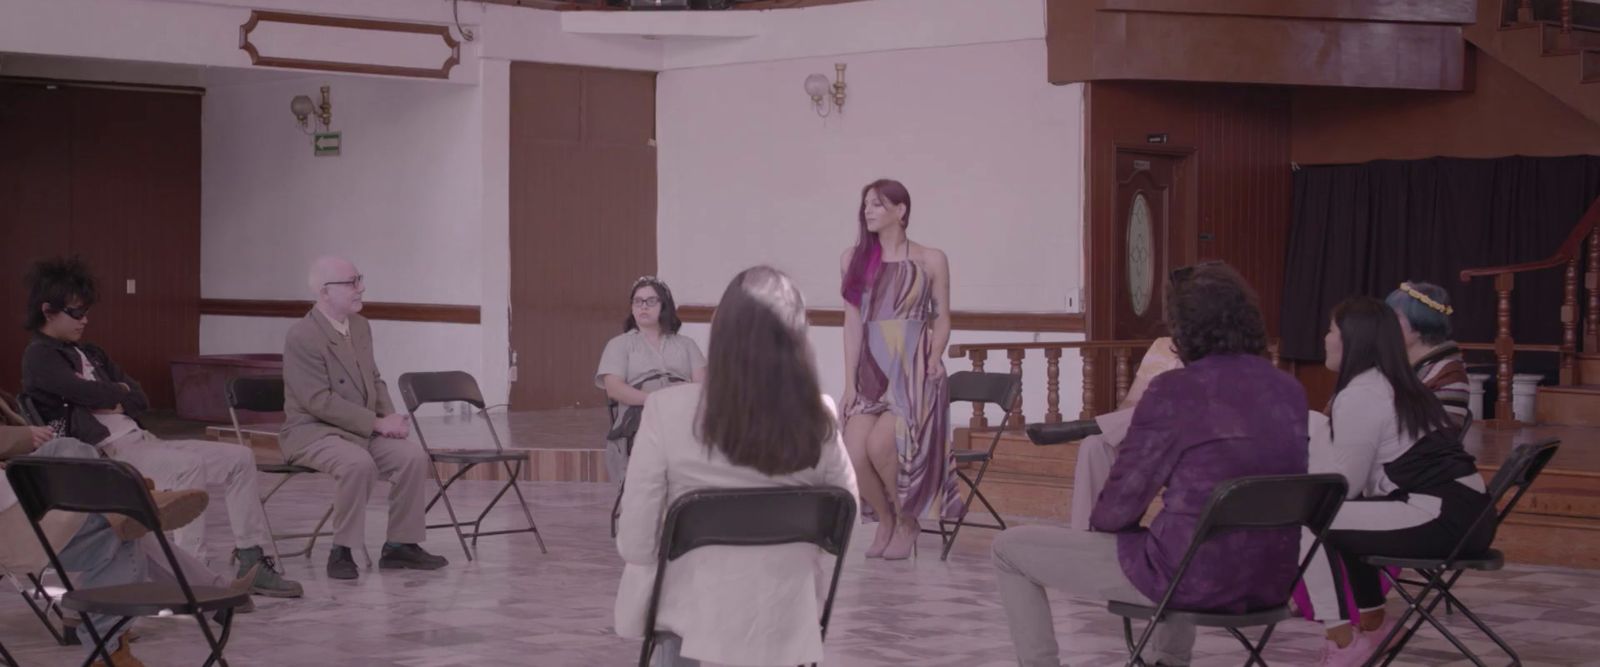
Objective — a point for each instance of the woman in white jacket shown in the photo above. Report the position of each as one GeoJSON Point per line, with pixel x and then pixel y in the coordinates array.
{"type": "Point", "coordinates": [760, 419]}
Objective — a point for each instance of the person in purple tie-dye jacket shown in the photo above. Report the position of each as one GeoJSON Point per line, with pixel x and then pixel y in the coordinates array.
{"type": "Point", "coordinates": [1228, 413]}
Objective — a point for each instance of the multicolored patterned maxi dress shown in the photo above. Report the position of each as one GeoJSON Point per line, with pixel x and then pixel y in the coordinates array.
{"type": "Point", "coordinates": [892, 376]}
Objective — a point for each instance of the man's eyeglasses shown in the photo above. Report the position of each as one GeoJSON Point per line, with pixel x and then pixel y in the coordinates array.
{"type": "Point", "coordinates": [353, 282]}
{"type": "Point", "coordinates": [1183, 273]}
{"type": "Point", "coordinates": [77, 313]}
{"type": "Point", "coordinates": [647, 302]}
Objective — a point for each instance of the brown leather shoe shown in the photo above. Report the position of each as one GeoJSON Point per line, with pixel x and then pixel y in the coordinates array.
{"type": "Point", "coordinates": [122, 657]}
{"type": "Point", "coordinates": [175, 509]}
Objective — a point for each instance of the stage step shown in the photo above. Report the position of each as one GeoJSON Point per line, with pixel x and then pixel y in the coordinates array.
{"type": "Point", "coordinates": [1568, 405]}
{"type": "Point", "coordinates": [1589, 367]}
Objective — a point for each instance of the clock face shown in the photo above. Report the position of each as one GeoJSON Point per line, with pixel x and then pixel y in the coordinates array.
{"type": "Point", "coordinates": [1141, 260]}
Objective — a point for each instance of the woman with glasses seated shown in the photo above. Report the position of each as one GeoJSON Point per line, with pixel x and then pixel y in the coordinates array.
{"type": "Point", "coordinates": [648, 355]}
{"type": "Point", "coordinates": [759, 420]}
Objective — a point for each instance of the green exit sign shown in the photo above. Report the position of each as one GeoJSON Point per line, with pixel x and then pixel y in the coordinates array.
{"type": "Point", "coordinates": [325, 144]}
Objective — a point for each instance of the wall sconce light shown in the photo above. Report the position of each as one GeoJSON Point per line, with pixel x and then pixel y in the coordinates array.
{"type": "Point", "coordinates": [303, 110]}
{"type": "Point", "coordinates": [818, 87]}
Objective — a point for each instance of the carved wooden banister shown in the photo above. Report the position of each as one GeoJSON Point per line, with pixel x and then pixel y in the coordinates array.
{"type": "Point", "coordinates": [1017, 352]}
{"type": "Point", "coordinates": [1567, 256]}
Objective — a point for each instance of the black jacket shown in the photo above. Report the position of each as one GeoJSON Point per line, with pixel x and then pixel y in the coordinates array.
{"type": "Point", "coordinates": [65, 400]}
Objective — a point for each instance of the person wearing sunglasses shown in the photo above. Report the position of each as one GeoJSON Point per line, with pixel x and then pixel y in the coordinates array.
{"type": "Point", "coordinates": [81, 393]}
{"type": "Point", "coordinates": [648, 355]}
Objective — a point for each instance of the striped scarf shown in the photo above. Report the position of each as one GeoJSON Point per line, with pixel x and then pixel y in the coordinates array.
{"type": "Point", "coordinates": [1444, 373]}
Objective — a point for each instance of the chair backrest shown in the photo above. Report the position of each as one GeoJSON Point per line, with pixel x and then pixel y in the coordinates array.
{"type": "Point", "coordinates": [1466, 427]}
{"type": "Point", "coordinates": [1519, 471]}
{"type": "Point", "coordinates": [30, 410]}
{"type": "Point", "coordinates": [91, 486]}
{"type": "Point", "coordinates": [419, 389]}
{"type": "Point", "coordinates": [1275, 501]}
{"type": "Point", "coordinates": [820, 515]}
{"type": "Point", "coordinates": [1272, 501]}
{"type": "Point", "coordinates": [1000, 389]}
{"type": "Point", "coordinates": [262, 393]}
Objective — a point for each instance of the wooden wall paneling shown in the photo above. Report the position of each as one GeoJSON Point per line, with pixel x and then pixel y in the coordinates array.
{"type": "Point", "coordinates": [1504, 114]}
{"type": "Point", "coordinates": [583, 212]}
{"type": "Point", "coordinates": [35, 204]}
{"type": "Point", "coordinates": [1239, 179]}
{"type": "Point", "coordinates": [372, 310]}
{"type": "Point", "coordinates": [113, 176]}
{"type": "Point", "coordinates": [1361, 43]}
{"type": "Point", "coordinates": [136, 216]}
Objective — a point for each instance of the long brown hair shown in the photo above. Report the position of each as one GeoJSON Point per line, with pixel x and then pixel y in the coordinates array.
{"type": "Point", "coordinates": [868, 255]}
{"type": "Point", "coordinates": [763, 404]}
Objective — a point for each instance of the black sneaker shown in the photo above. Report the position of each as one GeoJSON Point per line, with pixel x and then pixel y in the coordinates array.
{"type": "Point", "coordinates": [1055, 434]}
{"type": "Point", "coordinates": [409, 557]}
{"type": "Point", "coordinates": [341, 565]}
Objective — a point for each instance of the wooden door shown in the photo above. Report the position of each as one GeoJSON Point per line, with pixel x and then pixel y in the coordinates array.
{"type": "Point", "coordinates": [1150, 240]}
{"type": "Point", "coordinates": [112, 176]}
{"type": "Point", "coordinates": [583, 222]}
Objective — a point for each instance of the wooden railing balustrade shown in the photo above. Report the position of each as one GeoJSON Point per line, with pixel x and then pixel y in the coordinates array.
{"type": "Point", "coordinates": [1505, 347]}
{"type": "Point", "coordinates": [1123, 356]}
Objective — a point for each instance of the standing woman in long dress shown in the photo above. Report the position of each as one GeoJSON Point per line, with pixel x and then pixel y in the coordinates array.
{"type": "Point", "coordinates": [896, 402]}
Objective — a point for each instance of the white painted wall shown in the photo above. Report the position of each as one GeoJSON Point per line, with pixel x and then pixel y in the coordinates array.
{"type": "Point", "coordinates": [949, 96]}
{"type": "Point", "coordinates": [405, 200]}
{"type": "Point", "coordinates": [991, 152]}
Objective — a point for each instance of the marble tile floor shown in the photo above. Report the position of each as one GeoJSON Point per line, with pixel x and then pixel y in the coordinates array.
{"type": "Point", "coordinates": [514, 606]}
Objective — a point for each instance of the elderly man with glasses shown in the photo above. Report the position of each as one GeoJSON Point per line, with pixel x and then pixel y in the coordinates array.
{"type": "Point", "coordinates": [339, 419]}
{"type": "Point", "coordinates": [81, 393]}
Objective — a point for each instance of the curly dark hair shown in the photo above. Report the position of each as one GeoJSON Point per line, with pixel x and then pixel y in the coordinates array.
{"type": "Point", "coordinates": [54, 283]}
{"type": "Point", "coordinates": [1212, 310]}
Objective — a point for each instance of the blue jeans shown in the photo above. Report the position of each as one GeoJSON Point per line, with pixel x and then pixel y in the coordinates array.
{"type": "Point", "coordinates": [95, 555]}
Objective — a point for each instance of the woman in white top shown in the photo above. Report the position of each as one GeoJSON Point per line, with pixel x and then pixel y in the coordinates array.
{"type": "Point", "coordinates": [759, 420]}
{"type": "Point", "coordinates": [1414, 492]}
{"type": "Point", "coordinates": [648, 355]}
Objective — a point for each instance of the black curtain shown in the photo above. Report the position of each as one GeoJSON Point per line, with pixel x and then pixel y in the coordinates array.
{"type": "Point", "coordinates": [1364, 228]}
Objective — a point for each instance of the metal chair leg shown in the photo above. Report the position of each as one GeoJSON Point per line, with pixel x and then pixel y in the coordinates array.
{"type": "Point", "coordinates": [455, 524]}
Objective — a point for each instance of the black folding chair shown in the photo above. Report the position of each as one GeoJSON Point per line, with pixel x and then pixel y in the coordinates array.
{"type": "Point", "coordinates": [751, 517]}
{"type": "Point", "coordinates": [1439, 575]}
{"type": "Point", "coordinates": [30, 410]}
{"type": "Point", "coordinates": [62, 629]}
{"type": "Point", "coordinates": [5, 656]}
{"type": "Point", "coordinates": [419, 389]}
{"type": "Point", "coordinates": [103, 486]}
{"type": "Point", "coordinates": [265, 394]}
{"type": "Point", "coordinates": [1002, 390]}
{"type": "Point", "coordinates": [31, 585]}
{"type": "Point", "coordinates": [1249, 503]}
{"type": "Point", "coordinates": [616, 507]}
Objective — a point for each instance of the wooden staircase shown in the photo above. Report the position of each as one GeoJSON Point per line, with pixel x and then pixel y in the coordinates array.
{"type": "Point", "coordinates": [1553, 43]}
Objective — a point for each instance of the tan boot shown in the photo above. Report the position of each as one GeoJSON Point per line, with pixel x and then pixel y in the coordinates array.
{"type": "Point", "coordinates": [175, 509]}
{"type": "Point", "coordinates": [122, 657]}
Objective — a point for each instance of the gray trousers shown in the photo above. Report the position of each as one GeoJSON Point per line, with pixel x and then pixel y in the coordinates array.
{"type": "Point", "coordinates": [356, 468]}
{"type": "Point", "coordinates": [1030, 559]}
